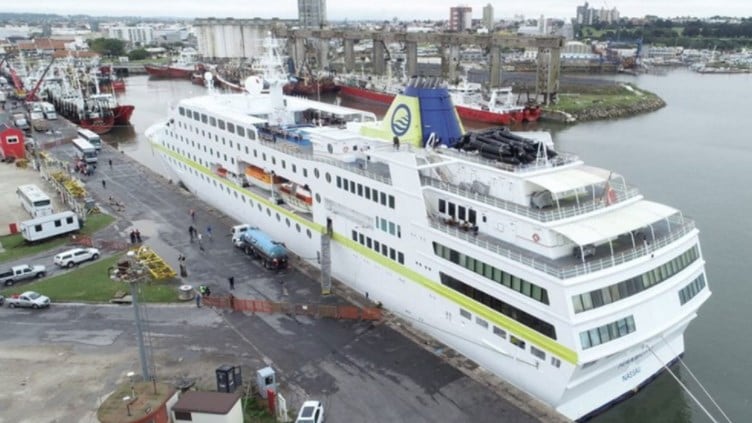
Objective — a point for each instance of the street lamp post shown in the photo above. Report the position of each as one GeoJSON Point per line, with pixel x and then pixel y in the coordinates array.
{"type": "Point", "coordinates": [131, 271]}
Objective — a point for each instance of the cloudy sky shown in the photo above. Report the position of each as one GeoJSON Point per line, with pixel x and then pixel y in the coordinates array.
{"type": "Point", "coordinates": [381, 9]}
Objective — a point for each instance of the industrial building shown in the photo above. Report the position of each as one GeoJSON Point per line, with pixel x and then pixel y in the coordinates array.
{"type": "Point", "coordinates": [233, 38]}
{"type": "Point", "coordinates": [312, 13]}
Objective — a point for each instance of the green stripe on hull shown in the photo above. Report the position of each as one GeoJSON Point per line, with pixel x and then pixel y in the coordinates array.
{"type": "Point", "coordinates": [498, 319]}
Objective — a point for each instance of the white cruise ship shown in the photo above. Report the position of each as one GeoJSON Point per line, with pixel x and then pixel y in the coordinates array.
{"type": "Point", "coordinates": [556, 276]}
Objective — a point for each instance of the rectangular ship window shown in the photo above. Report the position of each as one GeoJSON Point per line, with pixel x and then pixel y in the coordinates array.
{"type": "Point", "coordinates": [517, 341]}
{"type": "Point", "coordinates": [500, 332]}
{"type": "Point", "coordinates": [481, 322]}
{"type": "Point", "coordinates": [538, 353]}
{"type": "Point", "coordinates": [466, 314]}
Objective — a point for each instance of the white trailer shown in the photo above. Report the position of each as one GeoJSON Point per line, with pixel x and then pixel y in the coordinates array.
{"type": "Point", "coordinates": [48, 226]}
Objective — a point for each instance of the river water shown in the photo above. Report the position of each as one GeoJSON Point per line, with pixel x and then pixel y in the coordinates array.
{"type": "Point", "coordinates": [695, 154]}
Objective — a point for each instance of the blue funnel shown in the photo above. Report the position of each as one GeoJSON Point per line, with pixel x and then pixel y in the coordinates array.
{"type": "Point", "coordinates": [437, 112]}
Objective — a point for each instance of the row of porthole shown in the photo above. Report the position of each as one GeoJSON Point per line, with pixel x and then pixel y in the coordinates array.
{"type": "Point", "coordinates": [260, 207]}
{"type": "Point", "coordinates": [501, 333]}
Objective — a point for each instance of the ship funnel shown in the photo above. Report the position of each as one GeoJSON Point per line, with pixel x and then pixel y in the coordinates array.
{"type": "Point", "coordinates": [425, 111]}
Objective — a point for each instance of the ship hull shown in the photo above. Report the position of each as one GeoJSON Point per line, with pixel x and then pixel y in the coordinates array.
{"type": "Point", "coordinates": [97, 125]}
{"type": "Point", "coordinates": [528, 114]}
{"type": "Point", "coordinates": [362, 93]}
{"type": "Point", "coordinates": [123, 113]}
{"type": "Point", "coordinates": [436, 315]}
{"type": "Point", "coordinates": [168, 72]}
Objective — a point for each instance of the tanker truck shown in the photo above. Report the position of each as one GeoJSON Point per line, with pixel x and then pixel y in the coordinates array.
{"type": "Point", "coordinates": [256, 243]}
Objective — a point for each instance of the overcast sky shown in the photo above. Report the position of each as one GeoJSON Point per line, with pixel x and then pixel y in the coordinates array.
{"type": "Point", "coordinates": [379, 9]}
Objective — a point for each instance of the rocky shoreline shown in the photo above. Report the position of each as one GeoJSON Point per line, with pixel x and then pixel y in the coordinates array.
{"type": "Point", "coordinates": [643, 102]}
{"type": "Point", "coordinates": [648, 104]}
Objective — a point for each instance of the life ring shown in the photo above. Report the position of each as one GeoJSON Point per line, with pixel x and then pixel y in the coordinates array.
{"type": "Point", "coordinates": [536, 237]}
{"type": "Point", "coordinates": [344, 149]}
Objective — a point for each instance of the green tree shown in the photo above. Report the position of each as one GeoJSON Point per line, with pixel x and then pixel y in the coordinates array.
{"type": "Point", "coordinates": [108, 47]}
{"type": "Point", "coordinates": [138, 54]}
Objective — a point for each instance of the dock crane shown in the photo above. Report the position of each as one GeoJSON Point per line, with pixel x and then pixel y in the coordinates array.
{"type": "Point", "coordinates": [32, 95]}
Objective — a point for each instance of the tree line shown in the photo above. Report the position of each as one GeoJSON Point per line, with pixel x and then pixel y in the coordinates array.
{"type": "Point", "coordinates": [693, 34]}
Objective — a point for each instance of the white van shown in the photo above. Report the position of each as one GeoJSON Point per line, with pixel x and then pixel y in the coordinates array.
{"type": "Point", "coordinates": [49, 111]}
{"type": "Point", "coordinates": [48, 226]}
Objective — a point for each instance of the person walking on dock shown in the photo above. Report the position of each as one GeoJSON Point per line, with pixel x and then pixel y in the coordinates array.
{"type": "Point", "coordinates": [104, 184]}
{"type": "Point", "coordinates": [110, 162]}
{"type": "Point", "coordinates": [192, 232]}
{"type": "Point", "coordinates": [231, 280]}
{"type": "Point", "coordinates": [209, 232]}
{"type": "Point", "coordinates": [193, 215]}
{"type": "Point", "coordinates": [200, 245]}
{"type": "Point", "coordinates": [198, 300]}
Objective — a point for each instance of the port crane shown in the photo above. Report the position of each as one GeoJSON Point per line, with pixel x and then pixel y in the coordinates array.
{"type": "Point", "coordinates": [32, 95]}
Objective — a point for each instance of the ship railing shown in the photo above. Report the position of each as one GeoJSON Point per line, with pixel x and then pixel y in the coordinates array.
{"type": "Point", "coordinates": [679, 226]}
{"type": "Point", "coordinates": [293, 150]}
{"type": "Point", "coordinates": [548, 215]}
{"type": "Point", "coordinates": [560, 160]}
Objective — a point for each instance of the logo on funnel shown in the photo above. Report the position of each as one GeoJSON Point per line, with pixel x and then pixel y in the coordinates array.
{"type": "Point", "coordinates": [401, 119]}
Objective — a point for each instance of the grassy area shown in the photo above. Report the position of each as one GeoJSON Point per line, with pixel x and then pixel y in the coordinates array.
{"type": "Point", "coordinates": [607, 99]}
{"type": "Point", "coordinates": [16, 247]}
{"type": "Point", "coordinates": [91, 283]}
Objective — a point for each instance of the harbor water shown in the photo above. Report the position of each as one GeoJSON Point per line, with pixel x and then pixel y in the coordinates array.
{"type": "Point", "coordinates": [695, 154]}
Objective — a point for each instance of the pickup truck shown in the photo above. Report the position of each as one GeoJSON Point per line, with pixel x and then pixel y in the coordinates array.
{"type": "Point", "coordinates": [21, 272]}
{"type": "Point", "coordinates": [28, 299]}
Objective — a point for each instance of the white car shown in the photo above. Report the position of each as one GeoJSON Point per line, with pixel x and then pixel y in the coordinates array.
{"type": "Point", "coordinates": [76, 256]}
{"type": "Point", "coordinates": [311, 412]}
{"type": "Point", "coordinates": [29, 299]}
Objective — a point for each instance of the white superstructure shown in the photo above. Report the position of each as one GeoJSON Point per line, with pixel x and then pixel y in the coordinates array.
{"type": "Point", "coordinates": [556, 276]}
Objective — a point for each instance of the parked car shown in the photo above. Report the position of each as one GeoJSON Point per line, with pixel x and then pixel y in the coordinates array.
{"type": "Point", "coordinates": [21, 272]}
{"type": "Point", "coordinates": [311, 412]}
{"type": "Point", "coordinates": [76, 256]}
{"type": "Point", "coordinates": [29, 299]}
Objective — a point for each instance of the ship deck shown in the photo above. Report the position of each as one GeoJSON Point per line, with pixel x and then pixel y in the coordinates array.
{"type": "Point", "coordinates": [603, 256]}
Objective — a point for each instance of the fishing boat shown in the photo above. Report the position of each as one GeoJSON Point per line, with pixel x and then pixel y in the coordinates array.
{"type": "Point", "coordinates": [88, 112]}
{"type": "Point", "coordinates": [554, 275]}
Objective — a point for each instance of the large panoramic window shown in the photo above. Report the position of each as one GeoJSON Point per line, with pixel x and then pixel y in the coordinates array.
{"type": "Point", "coordinates": [635, 285]}
{"type": "Point", "coordinates": [490, 272]}
{"type": "Point", "coordinates": [601, 335]}
{"type": "Point", "coordinates": [692, 289]}
{"type": "Point", "coordinates": [512, 312]}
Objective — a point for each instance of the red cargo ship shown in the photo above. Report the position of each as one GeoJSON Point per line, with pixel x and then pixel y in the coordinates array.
{"type": "Point", "coordinates": [498, 111]}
